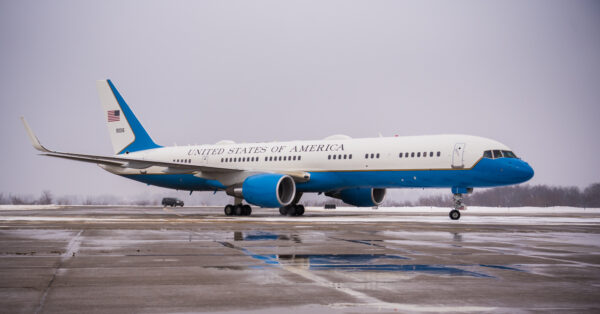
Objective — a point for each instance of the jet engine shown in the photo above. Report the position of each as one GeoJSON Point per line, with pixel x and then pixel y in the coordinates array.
{"type": "Point", "coordinates": [267, 190]}
{"type": "Point", "coordinates": [360, 197]}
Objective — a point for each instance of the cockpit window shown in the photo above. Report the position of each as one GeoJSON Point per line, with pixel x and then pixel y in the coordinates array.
{"type": "Point", "coordinates": [509, 154]}
{"type": "Point", "coordinates": [493, 154]}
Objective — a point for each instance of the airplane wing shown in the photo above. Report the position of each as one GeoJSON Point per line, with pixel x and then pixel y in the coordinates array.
{"type": "Point", "coordinates": [126, 162]}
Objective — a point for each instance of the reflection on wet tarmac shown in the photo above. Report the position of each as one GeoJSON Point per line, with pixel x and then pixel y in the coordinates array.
{"type": "Point", "coordinates": [351, 262]}
{"type": "Point", "coordinates": [263, 236]}
{"type": "Point", "coordinates": [369, 262]}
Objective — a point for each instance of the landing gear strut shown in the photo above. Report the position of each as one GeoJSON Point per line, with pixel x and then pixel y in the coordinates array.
{"type": "Point", "coordinates": [292, 210]}
{"type": "Point", "coordinates": [238, 210]}
{"type": "Point", "coordinates": [458, 205]}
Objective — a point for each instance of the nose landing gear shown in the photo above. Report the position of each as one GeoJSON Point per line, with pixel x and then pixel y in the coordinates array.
{"type": "Point", "coordinates": [458, 205]}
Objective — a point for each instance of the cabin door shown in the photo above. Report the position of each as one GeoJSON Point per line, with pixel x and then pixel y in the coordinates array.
{"type": "Point", "coordinates": [458, 155]}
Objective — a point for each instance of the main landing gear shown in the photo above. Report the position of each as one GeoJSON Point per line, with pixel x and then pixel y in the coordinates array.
{"type": "Point", "coordinates": [238, 210]}
{"type": "Point", "coordinates": [458, 205]}
{"type": "Point", "coordinates": [292, 210]}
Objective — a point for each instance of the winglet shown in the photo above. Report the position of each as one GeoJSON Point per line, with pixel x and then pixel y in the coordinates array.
{"type": "Point", "coordinates": [34, 140]}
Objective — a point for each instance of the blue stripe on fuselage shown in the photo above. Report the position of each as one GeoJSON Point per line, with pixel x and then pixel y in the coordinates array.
{"type": "Point", "coordinates": [486, 173]}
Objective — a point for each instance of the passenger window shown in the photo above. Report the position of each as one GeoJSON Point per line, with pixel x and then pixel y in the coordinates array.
{"type": "Point", "coordinates": [377, 155]}
{"type": "Point", "coordinates": [400, 155]}
{"type": "Point", "coordinates": [497, 154]}
{"type": "Point", "coordinates": [366, 156]}
{"type": "Point", "coordinates": [345, 156]}
{"type": "Point", "coordinates": [412, 154]}
{"type": "Point", "coordinates": [419, 154]}
{"type": "Point", "coordinates": [438, 154]}
{"type": "Point", "coordinates": [488, 154]}
{"type": "Point", "coordinates": [329, 157]}
{"type": "Point", "coordinates": [340, 156]}
{"type": "Point", "coordinates": [372, 156]}
{"type": "Point", "coordinates": [350, 156]}
{"type": "Point", "coordinates": [333, 156]}
{"type": "Point", "coordinates": [299, 157]}
{"type": "Point", "coordinates": [430, 154]}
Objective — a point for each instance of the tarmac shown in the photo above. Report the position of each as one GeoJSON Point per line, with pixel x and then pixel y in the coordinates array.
{"type": "Point", "coordinates": [97, 259]}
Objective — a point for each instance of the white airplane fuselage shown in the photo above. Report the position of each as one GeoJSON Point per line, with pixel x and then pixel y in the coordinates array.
{"type": "Point", "coordinates": [383, 162]}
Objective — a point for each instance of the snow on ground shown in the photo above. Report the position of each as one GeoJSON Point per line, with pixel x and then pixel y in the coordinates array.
{"type": "Point", "coordinates": [414, 209]}
{"type": "Point", "coordinates": [28, 207]}
{"type": "Point", "coordinates": [473, 209]}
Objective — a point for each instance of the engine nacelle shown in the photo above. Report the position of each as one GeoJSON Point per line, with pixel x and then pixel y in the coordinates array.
{"type": "Point", "coordinates": [360, 197]}
{"type": "Point", "coordinates": [269, 190]}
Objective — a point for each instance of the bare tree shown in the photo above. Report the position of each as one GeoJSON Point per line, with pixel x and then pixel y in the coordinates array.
{"type": "Point", "coordinates": [591, 195]}
{"type": "Point", "coordinates": [63, 200]}
{"type": "Point", "coordinates": [45, 198]}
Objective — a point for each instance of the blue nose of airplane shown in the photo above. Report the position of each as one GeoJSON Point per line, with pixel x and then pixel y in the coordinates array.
{"type": "Point", "coordinates": [522, 171]}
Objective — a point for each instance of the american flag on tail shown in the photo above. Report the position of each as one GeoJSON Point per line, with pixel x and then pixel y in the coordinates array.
{"type": "Point", "coordinates": [113, 115]}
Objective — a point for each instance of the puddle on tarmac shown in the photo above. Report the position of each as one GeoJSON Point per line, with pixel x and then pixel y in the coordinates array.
{"type": "Point", "coordinates": [263, 236]}
{"type": "Point", "coordinates": [351, 262]}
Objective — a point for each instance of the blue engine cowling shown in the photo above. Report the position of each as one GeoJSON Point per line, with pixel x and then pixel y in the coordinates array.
{"type": "Point", "coordinates": [269, 190]}
{"type": "Point", "coordinates": [361, 197]}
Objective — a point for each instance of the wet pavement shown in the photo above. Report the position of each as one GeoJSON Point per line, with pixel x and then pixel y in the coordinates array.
{"type": "Point", "coordinates": [150, 260]}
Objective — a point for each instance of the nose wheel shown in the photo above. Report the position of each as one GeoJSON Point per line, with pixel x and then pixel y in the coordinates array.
{"type": "Point", "coordinates": [454, 214]}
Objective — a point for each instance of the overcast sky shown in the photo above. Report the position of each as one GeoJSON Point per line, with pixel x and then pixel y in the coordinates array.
{"type": "Point", "coordinates": [525, 73]}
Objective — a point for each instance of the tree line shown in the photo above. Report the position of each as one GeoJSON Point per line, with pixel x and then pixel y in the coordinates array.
{"type": "Point", "coordinates": [522, 195]}
{"type": "Point", "coordinates": [510, 196]}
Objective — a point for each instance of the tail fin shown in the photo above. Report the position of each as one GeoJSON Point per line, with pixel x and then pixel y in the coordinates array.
{"type": "Point", "coordinates": [126, 133]}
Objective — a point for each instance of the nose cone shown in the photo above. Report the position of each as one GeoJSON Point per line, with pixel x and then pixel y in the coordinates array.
{"type": "Point", "coordinates": [523, 171]}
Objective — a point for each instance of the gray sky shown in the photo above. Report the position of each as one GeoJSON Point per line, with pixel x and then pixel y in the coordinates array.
{"type": "Point", "coordinates": [526, 73]}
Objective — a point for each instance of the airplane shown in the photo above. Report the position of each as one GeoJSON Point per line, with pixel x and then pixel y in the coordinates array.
{"type": "Point", "coordinates": [277, 174]}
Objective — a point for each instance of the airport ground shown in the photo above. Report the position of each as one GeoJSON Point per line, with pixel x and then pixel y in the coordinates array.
{"type": "Point", "coordinates": [151, 260]}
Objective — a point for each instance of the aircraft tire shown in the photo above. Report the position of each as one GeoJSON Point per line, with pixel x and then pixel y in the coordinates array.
{"type": "Point", "coordinates": [228, 210]}
{"type": "Point", "coordinates": [454, 214]}
{"type": "Point", "coordinates": [283, 211]}
{"type": "Point", "coordinates": [246, 210]}
{"type": "Point", "coordinates": [299, 210]}
{"type": "Point", "coordinates": [238, 210]}
{"type": "Point", "coordinates": [291, 211]}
